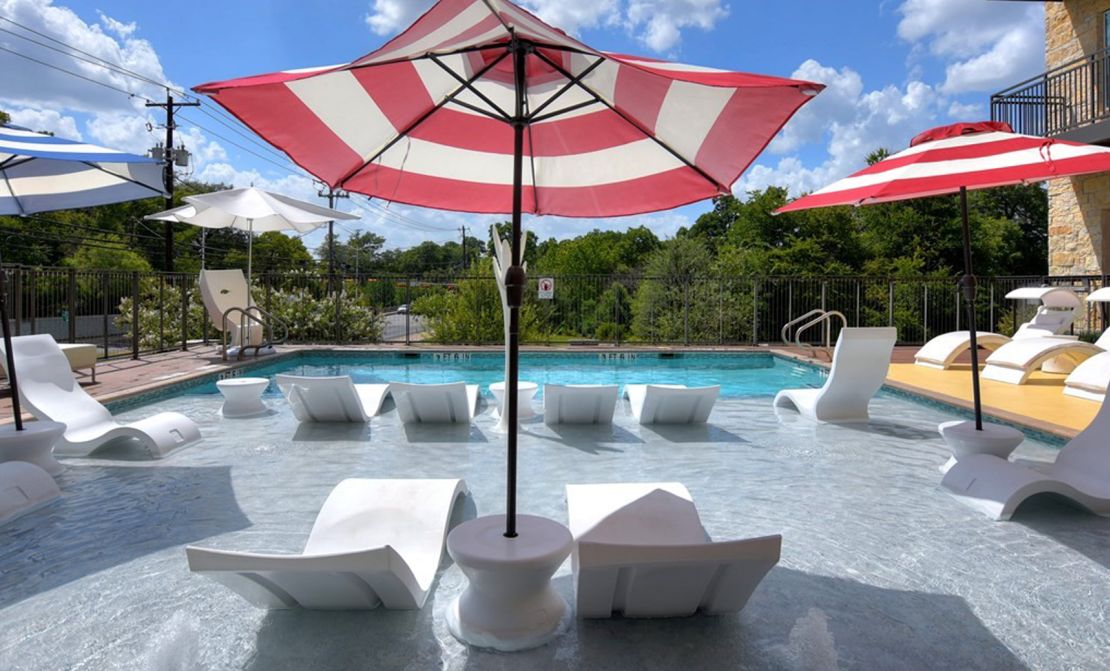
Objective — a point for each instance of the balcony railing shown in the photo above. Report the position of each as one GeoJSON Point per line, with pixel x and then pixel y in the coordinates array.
{"type": "Point", "coordinates": [1066, 98]}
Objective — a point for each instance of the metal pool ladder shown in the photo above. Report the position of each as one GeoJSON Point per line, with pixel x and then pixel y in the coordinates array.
{"type": "Point", "coordinates": [814, 317]}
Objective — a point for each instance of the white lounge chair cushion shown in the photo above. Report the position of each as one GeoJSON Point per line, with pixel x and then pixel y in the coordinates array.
{"type": "Point", "coordinates": [374, 542]}
{"type": "Point", "coordinates": [1016, 361]}
{"type": "Point", "coordinates": [579, 403]}
{"type": "Point", "coordinates": [943, 350]}
{"type": "Point", "coordinates": [1090, 379]}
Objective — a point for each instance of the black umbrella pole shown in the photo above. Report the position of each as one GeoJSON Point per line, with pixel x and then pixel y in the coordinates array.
{"type": "Point", "coordinates": [968, 282]}
{"type": "Point", "coordinates": [16, 411]}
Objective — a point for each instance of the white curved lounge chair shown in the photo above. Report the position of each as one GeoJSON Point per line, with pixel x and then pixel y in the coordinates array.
{"type": "Point", "coordinates": [1055, 314]}
{"type": "Point", "coordinates": [453, 402]}
{"type": "Point", "coordinates": [49, 390]}
{"type": "Point", "coordinates": [579, 403]}
{"type": "Point", "coordinates": [1081, 473]}
{"type": "Point", "coordinates": [859, 367]}
{"type": "Point", "coordinates": [331, 399]}
{"type": "Point", "coordinates": [671, 403]}
{"type": "Point", "coordinates": [1090, 379]}
{"type": "Point", "coordinates": [640, 550]}
{"type": "Point", "coordinates": [375, 542]}
{"type": "Point", "coordinates": [221, 290]}
{"type": "Point", "coordinates": [1015, 361]}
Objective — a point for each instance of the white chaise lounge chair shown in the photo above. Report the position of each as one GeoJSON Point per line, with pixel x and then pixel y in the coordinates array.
{"type": "Point", "coordinates": [50, 392]}
{"type": "Point", "coordinates": [223, 290]}
{"type": "Point", "coordinates": [640, 550]}
{"type": "Point", "coordinates": [1090, 379]}
{"type": "Point", "coordinates": [579, 403]}
{"type": "Point", "coordinates": [1015, 361]}
{"type": "Point", "coordinates": [859, 367]}
{"type": "Point", "coordinates": [331, 399]}
{"type": "Point", "coordinates": [1054, 316]}
{"type": "Point", "coordinates": [454, 402]}
{"type": "Point", "coordinates": [375, 542]}
{"type": "Point", "coordinates": [671, 403]}
{"type": "Point", "coordinates": [1081, 473]}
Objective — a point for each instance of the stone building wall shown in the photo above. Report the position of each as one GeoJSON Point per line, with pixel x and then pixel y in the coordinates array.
{"type": "Point", "coordinates": [1078, 207]}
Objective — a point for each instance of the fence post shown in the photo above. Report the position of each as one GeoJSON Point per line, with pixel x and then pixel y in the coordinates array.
{"type": "Point", "coordinates": [17, 294]}
{"type": "Point", "coordinates": [104, 309]}
{"type": "Point", "coordinates": [890, 304]}
{"type": "Point", "coordinates": [686, 310]}
{"type": "Point", "coordinates": [859, 284]}
{"type": "Point", "coordinates": [720, 311]}
{"type": "Point", "coordinates": [925, 314]}
{"type": "Point", "coordinates": [338, 310]}
{"type": "Point", "coordinates": [408, 310]}
{"type": "Point", "coordinates": [825, 326]}
{"type": "Point", "coordinates": [32, 285]}
{"type": "Point", "coordinates": [992, 326]}
{"type": "Point", "coordinates": [71, 304]}
{"type": "Point", "coordinates": [755, 311]}
{"type": "Point", "coordinates": [135, 314]}
{"type": "Point", "coordinates": [161, 312]}
{"type": "Point", "coordinates": [184, 314]}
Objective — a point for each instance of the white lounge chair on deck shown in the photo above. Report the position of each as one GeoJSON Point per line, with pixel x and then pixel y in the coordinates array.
{"type": "Point", "coordinates": [223, 290]}
{"type": "Point", "coordinates": [375, 542]}
{"type": "Point", "coordinates": [1090, 379]}
{"type": "Point", "coordinates": [331, 399]}
{"type": "Point", "coordinates": [579, 403]}
{"type": "Point", "coordinates": [1055, 314]}
{"type": "Point", "coordinates": [454, 402]}
{"type": "Point", "coordinates": [1015, 361]}
{"type": "Point", "coordinates": [640, 550]}
{"type": "Point", "coordinates": [50, 392]}
{"type": "Point", "coordinates": [671, 403]}
{"type": "Point", "coordinates": [859, 367]}
{"type": "Point", "coordinates": [1081, 473]}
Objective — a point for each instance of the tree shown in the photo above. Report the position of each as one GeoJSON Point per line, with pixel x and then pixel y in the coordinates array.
{"type": "Point", "coordinates": [4, 117]}
{"type": "Point", "coordinates": [273, 252]}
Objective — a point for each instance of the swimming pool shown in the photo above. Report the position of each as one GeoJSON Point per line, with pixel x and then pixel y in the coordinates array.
{"type": "Point", "coordinates": [880, 568]}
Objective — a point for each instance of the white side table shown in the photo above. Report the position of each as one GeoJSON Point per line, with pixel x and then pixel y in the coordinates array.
{"type": "Point", "coordinates": [243, 396]}
{"type": "Point", "coordinates": [509, 603]}
{"type": "Point", "coordinates": [34, 444]}
{"type": "Point", "coordinates": [963, 439]}
{"type": "Point", "coordinates": [525, 392]}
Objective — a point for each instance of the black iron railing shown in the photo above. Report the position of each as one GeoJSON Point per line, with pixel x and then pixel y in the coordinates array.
{"type": "Point", "coordinates": [1062, 99]}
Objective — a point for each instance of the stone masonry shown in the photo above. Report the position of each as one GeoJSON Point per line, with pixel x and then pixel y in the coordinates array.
{"type": "Point", "coordinates": [1078, 207]}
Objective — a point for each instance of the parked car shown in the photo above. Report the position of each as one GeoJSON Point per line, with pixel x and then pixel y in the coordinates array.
{"type": "Point", "coordinates": [403, 309]}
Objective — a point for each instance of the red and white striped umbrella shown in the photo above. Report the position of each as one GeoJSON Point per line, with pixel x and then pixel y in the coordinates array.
{"type": "Point", "coordinates": [427, 119]}
{"type": "Point", "coordinates": [965, 155]}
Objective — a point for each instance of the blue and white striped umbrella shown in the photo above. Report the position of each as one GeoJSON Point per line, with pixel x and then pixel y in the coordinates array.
{"type": "Point", "coordinates": [41, 173]}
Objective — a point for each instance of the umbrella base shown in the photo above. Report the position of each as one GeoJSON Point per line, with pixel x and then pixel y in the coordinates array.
{"type": "Point", "coordinates": [964, 440]}
{"type": "Point", "coordinates": [509, 603]}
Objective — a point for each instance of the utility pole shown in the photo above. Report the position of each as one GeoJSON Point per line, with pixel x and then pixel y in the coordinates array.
{"type": "Point", "coordinates": [167, 170]}
{"type": "Point", "coordinates": [332, 195]}
{"type": "Point", "coordinates": [464, 259]}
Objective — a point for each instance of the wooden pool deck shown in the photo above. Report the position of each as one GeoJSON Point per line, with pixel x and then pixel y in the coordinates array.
{"type": "Point", "coordinates": [1039, 405]}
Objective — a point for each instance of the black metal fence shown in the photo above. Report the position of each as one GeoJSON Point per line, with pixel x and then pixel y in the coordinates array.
{"type": "Point", "coordinates": [1062, 99]}
{"type": "Point", "coordinates": [131, 313]}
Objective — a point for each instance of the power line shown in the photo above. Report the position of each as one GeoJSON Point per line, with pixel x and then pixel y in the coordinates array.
{"type": "Point", "coordinates": [72, 74]}
{"type": "Point", "coordinates": [246, 149]}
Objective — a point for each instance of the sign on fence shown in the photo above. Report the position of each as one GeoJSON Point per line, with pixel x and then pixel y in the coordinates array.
{"type": "Point", "coordinates": [547, 288]}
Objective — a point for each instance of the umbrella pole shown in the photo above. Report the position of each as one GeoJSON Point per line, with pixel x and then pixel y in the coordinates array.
{"type": "Point", "coordinates": [250, 250]}
{"type": "Point", "coordinates": [514, 288]}
{"type": "Point", "coordinates": [16, 411]}
{"type": "Point", "coordinates": [968, 282]}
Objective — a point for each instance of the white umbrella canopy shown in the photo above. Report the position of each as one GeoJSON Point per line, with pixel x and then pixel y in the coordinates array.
{"type": "Point", "coordinates": [253, 210]}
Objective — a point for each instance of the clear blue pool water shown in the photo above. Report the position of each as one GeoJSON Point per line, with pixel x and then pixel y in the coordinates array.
{"type": "Point", "coordinates": [740, 375]}
{"type": "Point", "coordinates": [881, 568]}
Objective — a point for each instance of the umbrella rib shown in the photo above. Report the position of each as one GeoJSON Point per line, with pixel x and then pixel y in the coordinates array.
{"type": "Point", "coordinates": [532, 116]}
{"type": "Point", "coordinates": [469, 86]}
{"type": "Point", "coordinates": [565, 110]}
{"type": "Point", "coordinates": [496, 14]}
{"type": "Point", "coordinates": [15, 198]}
{"type": "Point", "coordinates": [96, 166]}
{"type": "Point", "coordinates": [666, 147]}
{"type": "Point", "coordinates": [421, 119]}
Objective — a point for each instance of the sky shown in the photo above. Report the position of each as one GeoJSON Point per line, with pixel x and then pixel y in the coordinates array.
{"type": "Point", "coordinates": [892, 68]}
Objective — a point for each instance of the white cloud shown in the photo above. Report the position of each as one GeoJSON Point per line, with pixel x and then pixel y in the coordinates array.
{"type": "Point", "coordinates": [49, 121]}
{"type": "Point", "coordinates": [967, 111]}
{"type": "Point", "coordinates": [656, 23]}
{"type": "Point", "coordinates": [851, 121]}
{"type": "Point", "coordinates": [985, 45]}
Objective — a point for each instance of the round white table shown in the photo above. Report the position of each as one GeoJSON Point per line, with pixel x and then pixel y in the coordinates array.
{"type": "Point", "coordinates": [964, 439]}
{"type": "Point", "coordinates": [34, 444]}
{"type": "Point", "coordinates": [525, 392]}
{"type": "Point", "coordinates": [243, 396]}
{"type": "Point", "coordinates": [509, 603]}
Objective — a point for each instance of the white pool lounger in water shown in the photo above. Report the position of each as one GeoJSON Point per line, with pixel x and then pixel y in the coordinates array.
{"type": "Point", "coordinates": [859, 367]}
{"type": "Point", "coordinates": [375, 542]}
{"type": "Point", "coordinates": [331, 399]}
{"type": "Point", "coordinates": [671, 403]}
{"type": "Point", "coordinates": [579, 403]}
{"type": "Point", "coordinates": [50, 392]}
{"type": "Point", "coordinates": [1081, 473]}
{"type": "Point", "coordinates": [640, 550]}
{"type": "Point", "coordinates": [451, 403]}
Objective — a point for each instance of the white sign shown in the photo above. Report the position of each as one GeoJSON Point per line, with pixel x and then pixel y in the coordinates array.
{"type": "Point", "coordinates": [547, 288]}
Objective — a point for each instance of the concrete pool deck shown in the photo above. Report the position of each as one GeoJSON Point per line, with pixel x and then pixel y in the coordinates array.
{"type": "Point", "coordinates": [1040, 405]}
